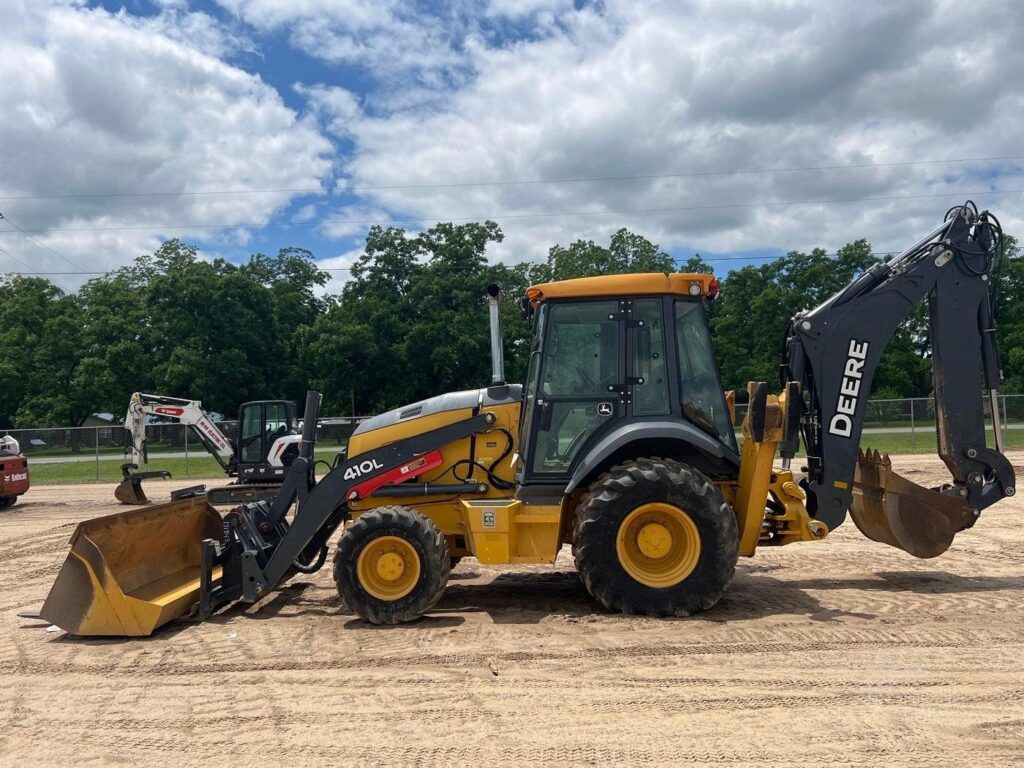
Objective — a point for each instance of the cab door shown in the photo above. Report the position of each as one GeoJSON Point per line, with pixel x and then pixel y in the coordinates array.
{"type": "Point", "coordinates": [580, 387]}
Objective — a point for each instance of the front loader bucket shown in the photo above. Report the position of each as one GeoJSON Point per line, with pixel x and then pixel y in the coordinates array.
{"type": "Point", "coordinates": [893, 510]}
{"type": "Point", "coordinates": [131, 572]}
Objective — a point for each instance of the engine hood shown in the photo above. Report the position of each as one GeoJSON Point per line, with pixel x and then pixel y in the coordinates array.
{"type": "Point", "coordinates": [452, 401]}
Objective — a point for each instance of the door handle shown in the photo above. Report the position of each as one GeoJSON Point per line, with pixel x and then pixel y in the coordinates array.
{"type": "Point", "coordinates": [544, 417]}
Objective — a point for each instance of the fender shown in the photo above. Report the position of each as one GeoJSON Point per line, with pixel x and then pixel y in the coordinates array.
{"type": "Point", "coordinates": [660, 429]}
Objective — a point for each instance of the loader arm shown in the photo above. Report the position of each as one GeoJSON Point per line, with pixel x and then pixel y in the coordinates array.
{"type": "Point", "coordinates": [833, 352]}
{"type": "Point", "coordinates": [261, 546]}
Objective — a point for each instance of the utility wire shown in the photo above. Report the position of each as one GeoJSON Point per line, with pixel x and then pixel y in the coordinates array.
{"type": "Point", "coordinates": [518, 182]}
{"type": "Point", "coordinates": [36, 240]}
{"type": "Point", "coordinates": [546, 214]}
{"type": "Point", "coordinates": [678, 262]}
{"type": "Point", "coordinates": [12, 257]}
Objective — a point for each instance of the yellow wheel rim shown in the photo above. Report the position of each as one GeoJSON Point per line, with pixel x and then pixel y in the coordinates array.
{"type": "Point", "coordinates": [388, 568]}
{"type": "Point", "coordinates": [658, 545]}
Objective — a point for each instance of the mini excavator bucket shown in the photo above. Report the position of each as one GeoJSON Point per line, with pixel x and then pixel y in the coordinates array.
{"type": "Point", "coordinates": [129, 573]}
{"type": "Point", "coordinates": [893, 510]}
{"type": "Point", "coordinates": [129, 490]}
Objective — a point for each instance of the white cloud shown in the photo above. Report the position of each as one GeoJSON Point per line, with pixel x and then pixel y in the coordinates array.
{"type": "Point", "coordinates": [518, 9]}
{"type": "Point", "coordinates": [643, 89]}
{"type": "Point", "coordinates": [335, 106]}
{"type": "Point", "coordinates": [392, 40]}
{"type": "Point", "coordinates": [304, 214]}
{"type": "Point", "coordinates": [100, 102]}
{"type": "Point", "coordinates": [352, 220]}
{"type": "Point", "coordinates": [500, 91]}
{"type": "Point", "coordinates": [339, 268]}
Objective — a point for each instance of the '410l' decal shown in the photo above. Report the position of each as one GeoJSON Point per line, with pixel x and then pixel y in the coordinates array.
{"type": "Point", "coordinates": [360, 469]}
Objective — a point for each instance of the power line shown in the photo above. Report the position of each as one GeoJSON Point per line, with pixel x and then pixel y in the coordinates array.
{"type": "Point", "coordinates": [12, 257]}
{"type": "Point", "coordinates": [550, 214]}
{"type": "Point", "coordinates": [39, 242]}
{"type": "Point", "coordinates": [678, 262]}
{"type": "Point", "coordinates": [686, 175]}
{"type": "Point", "coordinates": [516, 182]}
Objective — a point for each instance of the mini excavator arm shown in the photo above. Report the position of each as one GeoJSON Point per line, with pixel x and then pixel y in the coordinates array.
{"type": "Point", "coordinates": [833, 352]}
{"type": "Point", "coordinates": [188, 412]}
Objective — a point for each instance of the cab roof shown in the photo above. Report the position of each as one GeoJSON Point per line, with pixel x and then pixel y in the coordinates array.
{"type": "Point", "coordinates": [681, 283]}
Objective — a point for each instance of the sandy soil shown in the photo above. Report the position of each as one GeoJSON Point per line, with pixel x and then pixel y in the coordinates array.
{"type": "Point", "coordinates": [844, 651]}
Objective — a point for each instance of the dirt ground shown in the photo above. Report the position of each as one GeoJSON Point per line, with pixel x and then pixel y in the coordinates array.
{"type": "Point", "coordinates": [844, 652]}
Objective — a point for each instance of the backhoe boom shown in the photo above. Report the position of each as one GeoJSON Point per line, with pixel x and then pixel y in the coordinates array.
{"type": "Point", "coordinates": [833, 351]}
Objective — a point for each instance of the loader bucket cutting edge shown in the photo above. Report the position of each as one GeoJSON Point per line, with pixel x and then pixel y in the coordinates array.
{"type": "Point", "coordinates": [892, 510]}
{"type": "Point", "coordinates": [131, 572]}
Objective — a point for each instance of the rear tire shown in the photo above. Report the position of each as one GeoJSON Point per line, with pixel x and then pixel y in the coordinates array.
{"type": "Point", "coordinates": [655, 537]}
{"type": "Point", "coordinates": [8, 501]}
{"type": "Point", "coordinates": [391, 565]}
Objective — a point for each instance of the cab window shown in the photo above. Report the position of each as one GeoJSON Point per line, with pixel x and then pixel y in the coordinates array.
{"type": "Point", "coordinates": [700, 389]}
{"type": "Point", "coordinates": [650, 392]}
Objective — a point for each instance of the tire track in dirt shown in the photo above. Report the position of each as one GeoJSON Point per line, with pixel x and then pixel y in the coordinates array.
{"type": "Point", "coordinates": [844, 652]}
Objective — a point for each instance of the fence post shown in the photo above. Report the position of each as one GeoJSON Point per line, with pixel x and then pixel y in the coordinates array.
{"type": "Point", "coordinates": [96, 432]}
{"type": "Point", "coordinates": [913, 429]}
{"type": "Point", "coordinates": [186, 452]}
{"type": "Point", "coordinates": [1005, 416]}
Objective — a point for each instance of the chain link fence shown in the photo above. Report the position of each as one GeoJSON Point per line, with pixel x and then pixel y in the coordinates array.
{"type": "Point", "coordinates": [75, 454]}
{"type": "Point", "coordinates": [913, 418]}
{"type": "Point", "coordinates": [97, 452]}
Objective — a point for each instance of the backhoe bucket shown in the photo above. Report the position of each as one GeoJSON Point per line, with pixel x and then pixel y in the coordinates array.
{"type": "Point", "coordinates": [131, 572]}
{"type": "Point", "coordinates": [893, 510]}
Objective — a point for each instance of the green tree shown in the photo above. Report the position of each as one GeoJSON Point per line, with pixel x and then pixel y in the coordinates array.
{"type": "Point", "coordinates": [758, 302]}
{"type": "Point", "coordinates": [1008, 307]}
{"type": "Point", "coordinates": [626, 253]}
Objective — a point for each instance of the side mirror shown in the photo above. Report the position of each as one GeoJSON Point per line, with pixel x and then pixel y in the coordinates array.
{"type": "Point", "coordinates": [525, 307]}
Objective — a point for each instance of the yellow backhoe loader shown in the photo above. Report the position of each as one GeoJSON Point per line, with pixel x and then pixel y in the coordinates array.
{"type": "Point", "coordinates": [620, 443]}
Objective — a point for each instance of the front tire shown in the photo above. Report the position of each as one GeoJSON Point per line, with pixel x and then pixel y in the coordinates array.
{"type": "Point", "coordinates": [8, 501]}
{"type": "Point", "coordinates": [391, 565]}
{"type": "Point", "coordinates": [655, 537]}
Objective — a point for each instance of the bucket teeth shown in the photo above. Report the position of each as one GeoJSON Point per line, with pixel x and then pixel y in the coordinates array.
{"type": "Point", "coordinates": [873, 458]}
{"type": "Point", "coordinates": [893, 510]}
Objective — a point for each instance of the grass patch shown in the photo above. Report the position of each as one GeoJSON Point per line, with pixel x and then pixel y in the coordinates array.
{"type": "Point", "coordinates": [199, 468]}
{"type": "Point", "coordinates": [205, 468]}
{"type": "Point", "coordinates": [110, 471]}
{"type": "Point", "coordinates": [925, 442]}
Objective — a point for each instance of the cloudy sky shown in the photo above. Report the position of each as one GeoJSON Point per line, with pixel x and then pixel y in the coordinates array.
{"type": "Point", "coordinates": [737, 129]}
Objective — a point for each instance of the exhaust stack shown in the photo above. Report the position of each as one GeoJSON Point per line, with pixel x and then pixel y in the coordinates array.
{"type": "Point", "coordinates": [497, 345]}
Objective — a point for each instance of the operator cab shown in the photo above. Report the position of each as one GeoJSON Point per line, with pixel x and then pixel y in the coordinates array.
{"type": "Point", "coordinates": [617, 358]}
{"type": "Point", "coordinates": [260, 425]}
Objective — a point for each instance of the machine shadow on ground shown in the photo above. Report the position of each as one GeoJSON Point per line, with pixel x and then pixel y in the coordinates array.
{"type": "Point", "coordinates": [532, 597]}
{"type": "Point", "coordinates": [527, 598]}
